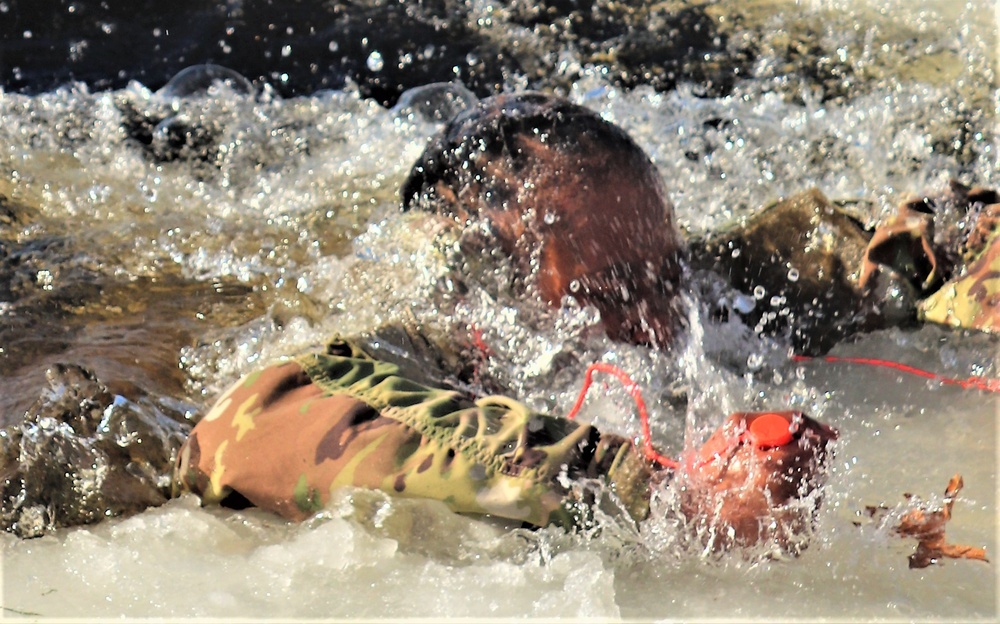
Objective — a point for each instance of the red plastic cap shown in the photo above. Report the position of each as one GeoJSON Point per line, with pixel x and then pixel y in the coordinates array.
{"type": "Point", "coordinates": [769, 430]}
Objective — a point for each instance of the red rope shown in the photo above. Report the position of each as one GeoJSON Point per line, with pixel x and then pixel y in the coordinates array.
{"type": "Point", "coordinates": [651, 454]}
{"type": "Point", "coordinates": [979, 383]}
{"type": "Point", "coordinates": [635, 392]}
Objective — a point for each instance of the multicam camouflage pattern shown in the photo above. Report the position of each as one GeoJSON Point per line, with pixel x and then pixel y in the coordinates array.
{"type": "Point", "coordinates": [285, 437]}
{"type": "Point", "coordinates": [957, 271]}
{"type": "Point", "coordinates": [972, 299]}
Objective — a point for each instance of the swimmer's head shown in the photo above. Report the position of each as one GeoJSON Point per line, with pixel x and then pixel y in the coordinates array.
{"type": "Point", "coordinates": [754, 478]}
{"type": "Point", "coordinates": [570, 197]}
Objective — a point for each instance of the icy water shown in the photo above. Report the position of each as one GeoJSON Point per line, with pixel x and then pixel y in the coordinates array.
{"type": "Point", "coordinates": [246, 227]}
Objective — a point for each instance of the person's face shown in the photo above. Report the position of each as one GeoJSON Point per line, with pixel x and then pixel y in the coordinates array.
{"type": "Point", "coordinates": [748, 479]}
{"type": "Point", "coordinates": [600, 230]}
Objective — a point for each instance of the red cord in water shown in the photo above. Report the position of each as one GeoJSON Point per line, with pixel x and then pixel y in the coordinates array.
{"type": "Point", "coordinates": [650, 453]}
{"type": "Point", "coordinates": [980, 383]}
{"type": "Point", "coordinates": [635, 392]}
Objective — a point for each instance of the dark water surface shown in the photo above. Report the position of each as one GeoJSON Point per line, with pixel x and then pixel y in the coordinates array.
{"type": "Point", "coordinates": [300, 47]}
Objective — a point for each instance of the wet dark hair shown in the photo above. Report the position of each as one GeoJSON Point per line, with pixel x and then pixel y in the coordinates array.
{"type": "Point", "coordinates": [485, 135]}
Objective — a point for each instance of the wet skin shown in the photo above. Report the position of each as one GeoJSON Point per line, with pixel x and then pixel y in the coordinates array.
{"type": "Point", "coordinates": [562, 188]}
{"type": "Point", "coordinates": [749, 487]}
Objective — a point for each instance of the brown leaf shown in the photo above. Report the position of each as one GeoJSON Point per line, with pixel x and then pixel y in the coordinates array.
{"type": "Point", "coordinates": [927, 525]}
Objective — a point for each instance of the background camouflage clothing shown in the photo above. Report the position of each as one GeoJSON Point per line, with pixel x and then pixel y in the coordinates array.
{"type": "Point", "coordinates": [972, 298]}
{"type": "Point", "coordinates": [284, 437]}
{"type": "Point", "coordinates": [948, 247]}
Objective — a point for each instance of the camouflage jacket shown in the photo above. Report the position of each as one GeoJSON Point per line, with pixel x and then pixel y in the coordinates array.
{"type": "Point", "coordinates": [284, 437]}
{"type": "Point", "coordinates": [948, 248]}
{"type": "Point", "coordinates": [971, 298]}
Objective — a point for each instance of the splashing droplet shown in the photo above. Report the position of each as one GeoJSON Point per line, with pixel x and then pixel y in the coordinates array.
{"type": "Point", "coordinates": [375, 62]}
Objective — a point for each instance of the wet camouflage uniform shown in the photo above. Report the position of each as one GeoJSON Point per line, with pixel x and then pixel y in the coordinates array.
{"type": "Point", "coordinates": [284, 437]}
{"type": "Point", "coordinates": [949, 249]}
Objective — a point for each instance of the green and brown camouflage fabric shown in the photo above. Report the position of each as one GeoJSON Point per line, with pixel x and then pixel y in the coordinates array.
{"type": "Point", "coordinates": [284, 437]}
{"type": "Point", "coordinates": [957, 270]}
{"type": "Point", "coordinates": [972, 298]}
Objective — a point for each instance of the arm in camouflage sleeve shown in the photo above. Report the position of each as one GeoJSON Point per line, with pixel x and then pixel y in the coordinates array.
{"type": "Point", "coordinates": [283, 438]}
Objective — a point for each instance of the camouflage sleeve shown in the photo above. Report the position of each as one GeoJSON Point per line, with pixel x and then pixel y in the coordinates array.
{"type": "Point", "coordinates": [948, 248]}
{"type": "Point", "coordinates": [283, 438]}
{"type": "Point", "coordinates": [972, 298]}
